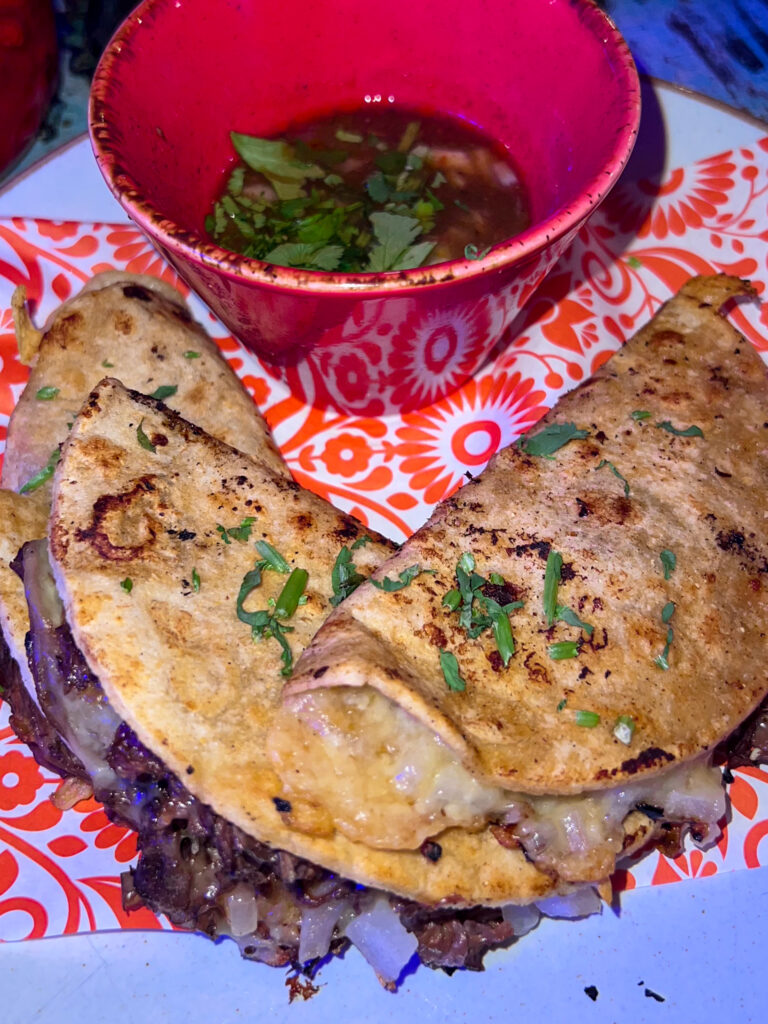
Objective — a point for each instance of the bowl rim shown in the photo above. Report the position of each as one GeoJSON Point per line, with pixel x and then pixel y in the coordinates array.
{"type": "Point", "coordinates": [194, 247]}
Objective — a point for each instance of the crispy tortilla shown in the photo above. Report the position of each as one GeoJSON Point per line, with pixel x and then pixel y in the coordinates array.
{"type": "Point", "coordinates": [137, 329]}
{"type": "Point", "coordinates": [610, 503]}
{"type": "Point", "coordinates": [177, 664]}
{"type": "Point", "coordinates": [24, 517]}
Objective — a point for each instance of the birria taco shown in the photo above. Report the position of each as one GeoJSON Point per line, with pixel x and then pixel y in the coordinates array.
{"type": "Point", "coordinates": [587, 626]}
{"type": "Point", "coordinates": [480, 724]}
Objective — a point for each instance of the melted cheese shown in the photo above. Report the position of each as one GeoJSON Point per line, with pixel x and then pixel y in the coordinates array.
{"type": "Point", "coordinates": [382, 778]}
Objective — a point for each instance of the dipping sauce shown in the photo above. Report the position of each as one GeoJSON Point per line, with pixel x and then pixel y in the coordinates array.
{"type": "Point", "coordinates": [370, 191]}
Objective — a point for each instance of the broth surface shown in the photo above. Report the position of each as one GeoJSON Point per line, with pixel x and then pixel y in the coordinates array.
{"type": "Point", "coordinates": [372, 190]}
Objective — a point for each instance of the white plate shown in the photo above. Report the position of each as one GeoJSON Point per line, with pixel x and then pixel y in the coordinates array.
{"type": "Point", "coordinates": [696, 944]}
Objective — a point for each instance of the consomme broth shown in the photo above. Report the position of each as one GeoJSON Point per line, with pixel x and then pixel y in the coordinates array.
{"type": "Point", "coordinates": [373, 190]}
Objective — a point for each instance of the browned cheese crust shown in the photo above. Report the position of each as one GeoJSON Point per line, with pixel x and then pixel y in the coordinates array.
{"type": "Point", "coordinates": [703, 498]}
{"type": "Point", "coordinates": [137, 329]}
{"type": "Point", "coordinates": [175, 661]}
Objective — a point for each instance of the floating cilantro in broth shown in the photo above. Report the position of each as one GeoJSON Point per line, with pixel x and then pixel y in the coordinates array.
{"type": "Point", "coordinates": [371, 191]}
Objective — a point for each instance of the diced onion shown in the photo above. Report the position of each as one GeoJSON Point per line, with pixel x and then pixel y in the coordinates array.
{"type": "Point", "coordinates": [242, 910]}
{"type": "Point", "coordinates": [522, 918]}
{"type": "Point", "coordinates": [317, 924]}
{"type": "Point", "coordinates": [581, 903]}
{"type": "Point", "coordinates": [382, 939]}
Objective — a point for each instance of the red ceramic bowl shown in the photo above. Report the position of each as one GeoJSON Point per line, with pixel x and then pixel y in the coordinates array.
{"type": "Point", "coordinates": [551, 79]}
{"type": "Point", "coordinates": [28, 73]}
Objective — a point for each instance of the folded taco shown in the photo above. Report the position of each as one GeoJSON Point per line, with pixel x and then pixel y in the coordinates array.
{"type": "Point", "coordinates": [138, 329]}
{"type": "Point", "coordinates": [586, 625]}
{"type": "Point", "coordinates": [182, 581]}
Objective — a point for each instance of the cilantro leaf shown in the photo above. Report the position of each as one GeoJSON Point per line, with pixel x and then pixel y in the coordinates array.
{"type": "Point", "coordinates": [241, 532]}
{"type": "Point", "coordinates": [668, 561]}
{"type": "Point", "coordinates": [616, 473]}
{"type": "Point", "coordinates": [394, 235]}
{"type": "Point", "coordinates": [451, 673]}
{"type": "Point", "coordinates": [276, 160]}
{"type": "Point", "coordinates": [142, 438]}
{"type": "Point", "coordinates": [164, 391]}
{"type": "Point", "coordinates": [551, 439]}
{"type": "Point", "coordinates": [46, 394]}
{"type": "Point", "coordinates": [44, 474]}
{"type": "Point", "coordinates": [563, 614]}
{"type": "Point", "coordinates": [471, 252]}
{"type": "Point", "coordinates": [406, 577]}
{"type": "Point", "coordinates": [305, 255]}
{"type": "Point", "coordinates": [344, 577]}
{"type": "Point", "coordinates": [692, 431]}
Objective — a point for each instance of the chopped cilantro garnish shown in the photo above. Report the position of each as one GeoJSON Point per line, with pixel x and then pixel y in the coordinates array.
{"type": "Point", "coordinates": [241, 532]}
{"type": "Point", "coordinates": [143, 439]}
{"type": "Point", "coordinates": [360, 542]}
{"type": "Point", "coordinates": [640, 414]}
{"type": "Point", "coordinates": [44, 474]}
{"type": "Point", "coordinates": [477, 611]}
{"type": "Point", "coordinates": [471, 252]}
{"type": "Point", "coordinates": [624, 729]}
{"type": "Point", "coordinates": [451, 674]}
{"type": "Point", "coordinates": [616, 473]}
{"type": "Point", "coordinates": [563, 649]}
{"type": "Point", "coordinates": [394, 248]}
{"type": "Point", "coordinates": [344, 577]}
{"type": "Point", "coordinates": [634, 262]}
{"type": "Point", "coordinates": [692, 431]}
{"type": "Point", "coordinates": [266, 624]}
{"type": "Point", "coordinates": [550, 439]}
{"type": "Point", "coordinates": [277, 161]}
{"type": "Point", "coordinates": [127, 584]}
{"type": "Point", "coordinates": [107, 365]}
{"type": "Point", "coordinates": [563, 614]}
{"type": "Point", "coordinates": [191, 354]}
{"type": "Point", "coordinates": [561, 704]}
{"type": "Point", "coordinates": [164, 391]}
{"type": "Point", "coordinates": [46, 394]}
{"type": "Point", "coordinates": [272, 559]}
{"type": "Point", "coordinates": [668, 561]}
{"type": "Point", "coordinates": [342, 199]}
{"type": "Point", "coordinates": [195, 580]}
{"type": "Point", "coordinates": [662, 660]}
{"type": "Point", "coordinates": [405, 577]}
{"type": "Point", "coordinates": [587, 719]}
{"type": "Point", "coordinates": [551, 583]}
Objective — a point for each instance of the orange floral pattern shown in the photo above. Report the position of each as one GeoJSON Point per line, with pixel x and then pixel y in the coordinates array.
{"type": "Point", "coordinates": [59, 871]}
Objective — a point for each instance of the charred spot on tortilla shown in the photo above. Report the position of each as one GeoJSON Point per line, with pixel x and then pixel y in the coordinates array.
{"type": "Point", "coordinates": [119, 515]}
{"type": "Point", "coordinates": [653, 757]}
{"type": "Point", "coordinates": [136, 291]}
